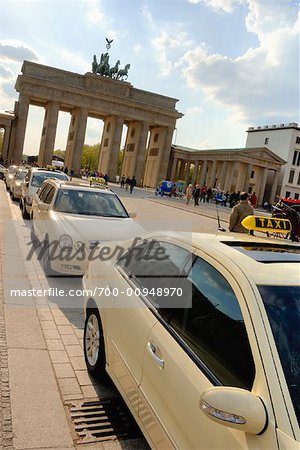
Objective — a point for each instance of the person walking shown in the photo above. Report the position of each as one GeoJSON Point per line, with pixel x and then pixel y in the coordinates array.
{"type": "Point", "coordinates": [189, 193]}
{"type": "Point", "coordinates": [122, 181]}
{"type": "Point", "coordinates": [196, 194]}
{"type": "Point", "coordinates": [132, 184]}
{"type": "Point", "coordinates": [127, 183]}
{"type": "Point", "coordinates": [238, 214]}
{"type": "Point", "coordinates": [253, 200]}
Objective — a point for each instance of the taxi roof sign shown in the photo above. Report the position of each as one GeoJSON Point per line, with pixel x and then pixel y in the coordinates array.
{"type": "Point", "coordinates": [271, 224]}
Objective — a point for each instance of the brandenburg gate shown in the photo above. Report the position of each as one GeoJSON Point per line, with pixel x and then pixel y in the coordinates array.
{"type": "Point", "coordinates": [111, 100]}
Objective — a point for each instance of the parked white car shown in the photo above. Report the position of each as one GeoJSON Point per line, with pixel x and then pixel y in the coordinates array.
{"type": "Point", "coordinates": [71, 219]}
{"type": "Point", "coordinates": [201, 340]}
{"type": "Point", "coordinates": [9, 175]}
{"type": "Point", "coordinates": [32, 182]}
{"type": "Point", "coordinates": [16, 183]}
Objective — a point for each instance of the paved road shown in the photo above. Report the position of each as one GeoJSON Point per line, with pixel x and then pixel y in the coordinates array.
{"type": "Point", "coordinates": [43, 339]}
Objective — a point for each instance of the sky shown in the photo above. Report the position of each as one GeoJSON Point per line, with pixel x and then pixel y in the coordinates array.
{"type": "Point", "coordinates": [230, 63]}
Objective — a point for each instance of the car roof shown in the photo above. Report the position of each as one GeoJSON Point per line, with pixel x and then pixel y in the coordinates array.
{"type": "Point", "coordinates": [40, 169]}
{"type": "Point", "coordinates": [265, 260]}
{"type": "Point", "coordinates": [79, 185]}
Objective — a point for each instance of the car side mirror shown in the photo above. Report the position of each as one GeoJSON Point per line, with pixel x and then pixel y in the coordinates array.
{"type": "Point", "coordinates": [132, 215]}
{"type": "Point", "coordinates": [235, 408]}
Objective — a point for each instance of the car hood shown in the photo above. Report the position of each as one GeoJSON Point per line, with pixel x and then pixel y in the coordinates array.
{"type": "Point", "coordinates": [86, 228]}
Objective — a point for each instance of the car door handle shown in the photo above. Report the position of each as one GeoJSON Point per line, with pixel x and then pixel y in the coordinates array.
{"type": "Point", "coordinates": [152, 350]}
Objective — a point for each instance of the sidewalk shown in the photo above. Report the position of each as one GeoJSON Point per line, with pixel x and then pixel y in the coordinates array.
{"type": "Point", "coordinates": [32, 413]}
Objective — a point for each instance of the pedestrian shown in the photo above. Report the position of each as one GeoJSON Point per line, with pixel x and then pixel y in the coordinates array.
{"type": "Point", "coordinates": [66, 170]}
{"type": "Point", "coordinates": [71, 173]}
{"type": "Point", "coordinates": [117, 179]}
{"type": "Point", "coordinates": [253, 200]}
{"type": "Point", "coordinates": [238, 214]}
{"type": "Point", "coordinates": [106, 178]}
{"type": "Point", "coordinates": [189, 193]}
{"type": "Point", "coordinates": [209, 195]}
{"type": "Point", "coordinates": [122, 181]}
{"type": "Point", "coordinates": [196, 194]}
{"type": "Point", "coordinates": [127, 183]}
{"type": "Point", "coordinates": [203, 193]}
{"type": "Point", "coordinates": [132, 183]}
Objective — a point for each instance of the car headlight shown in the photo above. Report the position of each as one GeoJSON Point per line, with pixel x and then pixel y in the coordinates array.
{"type": "Point", "coordinates": [65, 241]}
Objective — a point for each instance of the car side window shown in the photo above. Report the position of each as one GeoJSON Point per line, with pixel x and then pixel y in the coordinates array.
{"type": "Point", "coordinates": [50, 195]}
{"type": "Point", "coordinates": [158, 270]}
{"type": "Point", "coordinates": [214, 329]}
{"type": "Point", "coordinates": [44, 193]}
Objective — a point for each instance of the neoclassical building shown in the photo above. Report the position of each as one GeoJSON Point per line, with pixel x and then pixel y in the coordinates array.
{"type": "Point", "coordinates": [238, 169]}
{"type": "Point", "coordinates": [150, 119]}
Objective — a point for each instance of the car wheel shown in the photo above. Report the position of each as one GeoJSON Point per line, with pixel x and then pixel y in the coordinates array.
{"type": "Point", "coordinates": [93, 344]}
{"type": "Point", "coordinates": [25, 214]}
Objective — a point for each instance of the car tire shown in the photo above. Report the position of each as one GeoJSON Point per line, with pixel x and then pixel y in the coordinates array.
{"type": "Point", "coordinates": [93, 344]}
{"type": "Point", "coordinates": [25, 214]}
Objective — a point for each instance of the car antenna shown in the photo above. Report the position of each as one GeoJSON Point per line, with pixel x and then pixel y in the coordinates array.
{"type": "Point", "coordinates": [219, 224]}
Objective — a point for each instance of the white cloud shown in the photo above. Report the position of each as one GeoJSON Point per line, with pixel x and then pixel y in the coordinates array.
{"type": "Point", "coordinates": [94, 13]}
{"type": "Point", "coordinates": [194, 110]}
{"type": "Point", "coordinates": [77, 60]}
{"type": "Point", "coordinates": [226, 6]}
{"type": "Point", "coordinates": [164, 45]}
{"type": "Point", "coordinates": [16, 51]}
{"type": "Point", "coordinates": [263, 83]}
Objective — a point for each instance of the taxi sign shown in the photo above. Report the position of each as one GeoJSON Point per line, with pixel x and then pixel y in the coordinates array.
{"type": "Point", "coordinates": [96, 180]}
{"type": "Point", "coordinates": [260, 223]}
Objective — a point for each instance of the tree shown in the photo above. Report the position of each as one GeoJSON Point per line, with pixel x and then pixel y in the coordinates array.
{"type": "Point", "coordinates": [90, 157]}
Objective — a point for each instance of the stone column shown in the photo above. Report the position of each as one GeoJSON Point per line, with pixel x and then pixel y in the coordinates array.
{"type": "Point", "coordinates": [203, 173]}
{"type": "Point", "coordinates": [181, 170]}
{"type": "Point", "coordinates": [5, 144]}
{"type": "Point", "coordinates": [262, 187]}
{"type": "Point", "coordinates": [195, 174]}
{"type": "Point", "coordinates": [229, 175]}
{"type": "Point", "coordinates": [274, 186]}
{"type": "Point", "coordinates": [173, 170]}
{"type": "Point", "coordinates": [240, 178]}
{"type": "Point", "coordinates": [23, 108]}
{"type": "Point", "coordinates": [76, 139]}
{"type": "Point", "coordinates": [223, 174]}
{"type": "Point", "coordinates": [247, 178]}
{"type": "Point", "coordinates": [48, 134]}
{"type": "Point", "coordinates": [115, 148]}
{"type": "Point", "coordinates": [141, 153]}
{"type": "Point", "coordinates": [187, 173]}
{"type": "Point", "coordinates": [213, 172]}
{"type": "Point", "coordinates": [165, 155]}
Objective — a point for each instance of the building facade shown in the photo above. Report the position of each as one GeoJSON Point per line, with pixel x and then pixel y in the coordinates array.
{"type": "Point", "coordinates": [284, 141]}
{"type": "Point", "coordinates": [232, 170]}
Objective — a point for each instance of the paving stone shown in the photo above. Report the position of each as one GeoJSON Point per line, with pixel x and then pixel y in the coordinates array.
{"type": "Point", "coordinates": [59, 356]}
{"type": "Point", "coordinates": [70, 339]}
{"type": "Point", "coordinates": [65, 329]}
{"type": "Point", "coordinates": [84, 378]}
{"type": "Point", "coordinates": [69, 386]}
{"type": "Point", "coordinates": [74, 350]}
{"type": "Point", "coordinates": [78, 362]}
{"type": "Point", "coordinates": [51, 334]}
{"type": "Point", "coordinates": [64, 370]}
{"type": "Point", "coordinates": [54, 344]}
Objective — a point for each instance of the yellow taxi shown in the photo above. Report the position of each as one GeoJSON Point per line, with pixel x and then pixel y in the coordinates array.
{"type": "Point", "coordinates": [201, 336]}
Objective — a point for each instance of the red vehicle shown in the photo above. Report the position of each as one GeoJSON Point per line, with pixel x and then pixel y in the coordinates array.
{"type": "Point", "coordinates": [286, 208]}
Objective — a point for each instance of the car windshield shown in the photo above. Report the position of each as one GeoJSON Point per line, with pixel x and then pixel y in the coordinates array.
{"type": "Point", "coordinates": [89, 203]}
{"type": "Point", "coordinates": [39, 177]}
{"type": "Point", "coordinates": [21, 175]}
{"type": "Point", "coordinates": [282, 304]}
